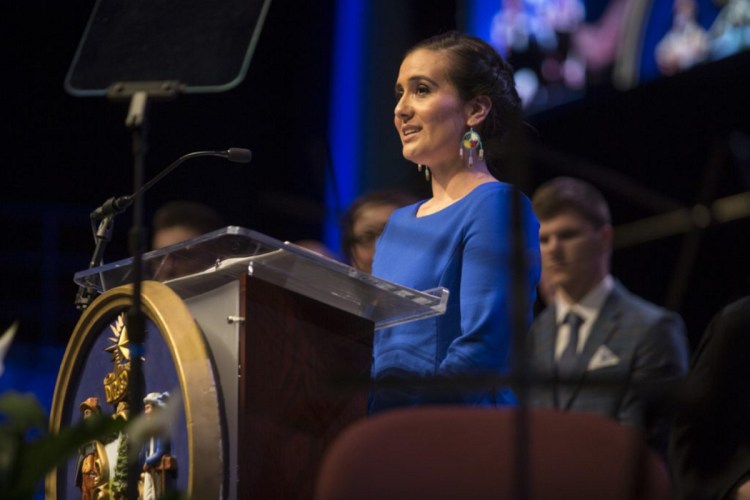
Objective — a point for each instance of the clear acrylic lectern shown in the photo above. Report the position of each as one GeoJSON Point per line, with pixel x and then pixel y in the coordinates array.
{"type": "Point", "coordinates": [196, 266]}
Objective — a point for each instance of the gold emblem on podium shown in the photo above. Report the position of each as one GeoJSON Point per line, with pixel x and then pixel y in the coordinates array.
{"type": "Point", "coordinates": [181, 349]}
{"type": "Point", "coordinates": [116, 382]}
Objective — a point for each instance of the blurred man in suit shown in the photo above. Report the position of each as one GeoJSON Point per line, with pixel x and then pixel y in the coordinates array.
{"type": "Point", "coordinates": [597, 347]}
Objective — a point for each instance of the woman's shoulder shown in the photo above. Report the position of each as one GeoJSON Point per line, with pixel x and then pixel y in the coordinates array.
{"type": "Point", "coordinates": [487, 189]}
{"type": "Point", "coordinates": [492, 203]}
{"type": "Point", "coordinates": [493, 194]}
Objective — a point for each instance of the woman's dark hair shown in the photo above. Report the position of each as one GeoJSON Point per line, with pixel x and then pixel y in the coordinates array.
{"type": "Point", "coordinates": [477, 69]}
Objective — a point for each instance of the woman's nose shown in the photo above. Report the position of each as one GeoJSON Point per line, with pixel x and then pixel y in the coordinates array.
{"type": "Point", "coordinates": [402, 110]}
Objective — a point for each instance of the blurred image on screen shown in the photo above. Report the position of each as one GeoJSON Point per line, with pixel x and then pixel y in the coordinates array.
{"type": "Point", "coordinates": [563, 48]}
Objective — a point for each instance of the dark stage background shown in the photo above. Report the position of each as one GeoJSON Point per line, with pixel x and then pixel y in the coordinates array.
{"type": "Point", "coordinates": [667, 144]}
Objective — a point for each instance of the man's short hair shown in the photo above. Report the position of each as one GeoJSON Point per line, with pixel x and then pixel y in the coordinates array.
{"type": "Point", "coordinates": [190, 214]}
{"type": "Point", "coordinates": [566, 193]}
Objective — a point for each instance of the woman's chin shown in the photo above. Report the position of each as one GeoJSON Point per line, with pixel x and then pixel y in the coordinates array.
{"type": "Point", "coordinates": [410, 156]}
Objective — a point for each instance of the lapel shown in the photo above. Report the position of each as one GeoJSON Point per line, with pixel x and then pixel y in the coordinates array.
{"type": "Point", "coordinates": [601, 331]}
{"type": "Point", "coordinates": [604, 326]}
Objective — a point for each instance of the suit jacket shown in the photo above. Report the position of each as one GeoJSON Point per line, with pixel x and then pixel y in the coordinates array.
{"type": "Point", "coordinates": [634, 354]}
{"type": "Point", "coordinates": [710, 442]}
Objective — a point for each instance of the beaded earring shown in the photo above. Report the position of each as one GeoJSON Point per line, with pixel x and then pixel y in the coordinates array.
{"type": "Point", "coordinates": [470, 142]}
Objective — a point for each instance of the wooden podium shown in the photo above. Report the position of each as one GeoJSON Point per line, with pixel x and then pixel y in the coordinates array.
{"type": "Point", "coordinates": [287, 337]}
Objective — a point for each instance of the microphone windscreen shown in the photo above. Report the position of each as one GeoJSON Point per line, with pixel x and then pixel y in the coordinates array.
{"type": "Point", "coordinates": [239, 155]}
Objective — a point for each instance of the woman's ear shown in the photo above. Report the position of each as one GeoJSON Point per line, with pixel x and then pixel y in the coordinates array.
{"type": "Point", "coordinates": [477, 110]}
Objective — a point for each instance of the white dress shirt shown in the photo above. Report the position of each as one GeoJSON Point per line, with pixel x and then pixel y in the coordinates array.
{"type": "Point", "coordinates": [587, 308]}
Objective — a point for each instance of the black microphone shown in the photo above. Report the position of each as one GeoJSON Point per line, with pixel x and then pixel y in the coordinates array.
{"type": "Point", "coordinates": [116, 205]}
{"type": "Point", "coordinates": [238, 155]}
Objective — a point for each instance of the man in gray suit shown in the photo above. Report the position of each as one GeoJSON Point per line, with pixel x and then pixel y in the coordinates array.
{"type": "Point", "coordinates": [597, 347]}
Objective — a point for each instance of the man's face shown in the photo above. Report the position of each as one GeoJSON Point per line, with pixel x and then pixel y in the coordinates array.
{"type": "Point", "coordinates": [172, 235]}
{"type": "Point", "coordinates": [179, 263]}
{"type": "Point", "coordinates": [575, 254]}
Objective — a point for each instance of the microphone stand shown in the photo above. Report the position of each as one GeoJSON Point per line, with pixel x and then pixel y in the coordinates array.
{"type": "Point", "coordinates": [136, 323]}
{"type": "Point", "coordinates": [102, 236]}
{"type": "Point", "coordinates": [519, 307]}
{"type": "Point", "coordinates": [136, 122]}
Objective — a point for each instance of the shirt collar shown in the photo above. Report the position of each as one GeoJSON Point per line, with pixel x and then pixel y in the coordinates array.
{"type": "Point", "coordinates": [589, 306]}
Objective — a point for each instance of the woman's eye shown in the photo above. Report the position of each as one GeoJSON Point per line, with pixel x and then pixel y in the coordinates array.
{"type": "Point", "coordinates": [422, 90]}
{"type": "Point", "coordinates": [368, 238]}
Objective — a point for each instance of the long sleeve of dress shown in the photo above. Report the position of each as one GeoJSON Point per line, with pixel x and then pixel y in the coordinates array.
{"type": "Point", "coordinates": [485, 285]}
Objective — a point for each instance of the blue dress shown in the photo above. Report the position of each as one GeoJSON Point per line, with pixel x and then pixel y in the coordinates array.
{"type": "Point", "coordinates": [466, 248]}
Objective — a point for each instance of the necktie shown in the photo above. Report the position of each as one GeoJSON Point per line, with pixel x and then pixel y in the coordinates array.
{"type": "Point", "coordinates": [567, 361]}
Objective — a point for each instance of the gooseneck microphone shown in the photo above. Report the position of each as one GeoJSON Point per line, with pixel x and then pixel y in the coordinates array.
{"type": "Point", "coordinates": [114, 206]}
{"type": "Point", "coordinates": [105, 214]}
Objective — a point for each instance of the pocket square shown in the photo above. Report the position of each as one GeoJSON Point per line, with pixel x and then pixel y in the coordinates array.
{"type": "Point", "coordinates": [603, 358]}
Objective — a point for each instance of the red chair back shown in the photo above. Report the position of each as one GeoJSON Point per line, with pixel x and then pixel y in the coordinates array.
{"type": "Point", "coordinates": [458, 452]}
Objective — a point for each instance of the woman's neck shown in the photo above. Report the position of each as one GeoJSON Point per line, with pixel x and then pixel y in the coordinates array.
{"type": "Point", "coordinates": [451, 184]}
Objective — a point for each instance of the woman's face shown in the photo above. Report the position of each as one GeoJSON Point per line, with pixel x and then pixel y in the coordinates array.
{"type": "Point", "coordinates": [430, 117]}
